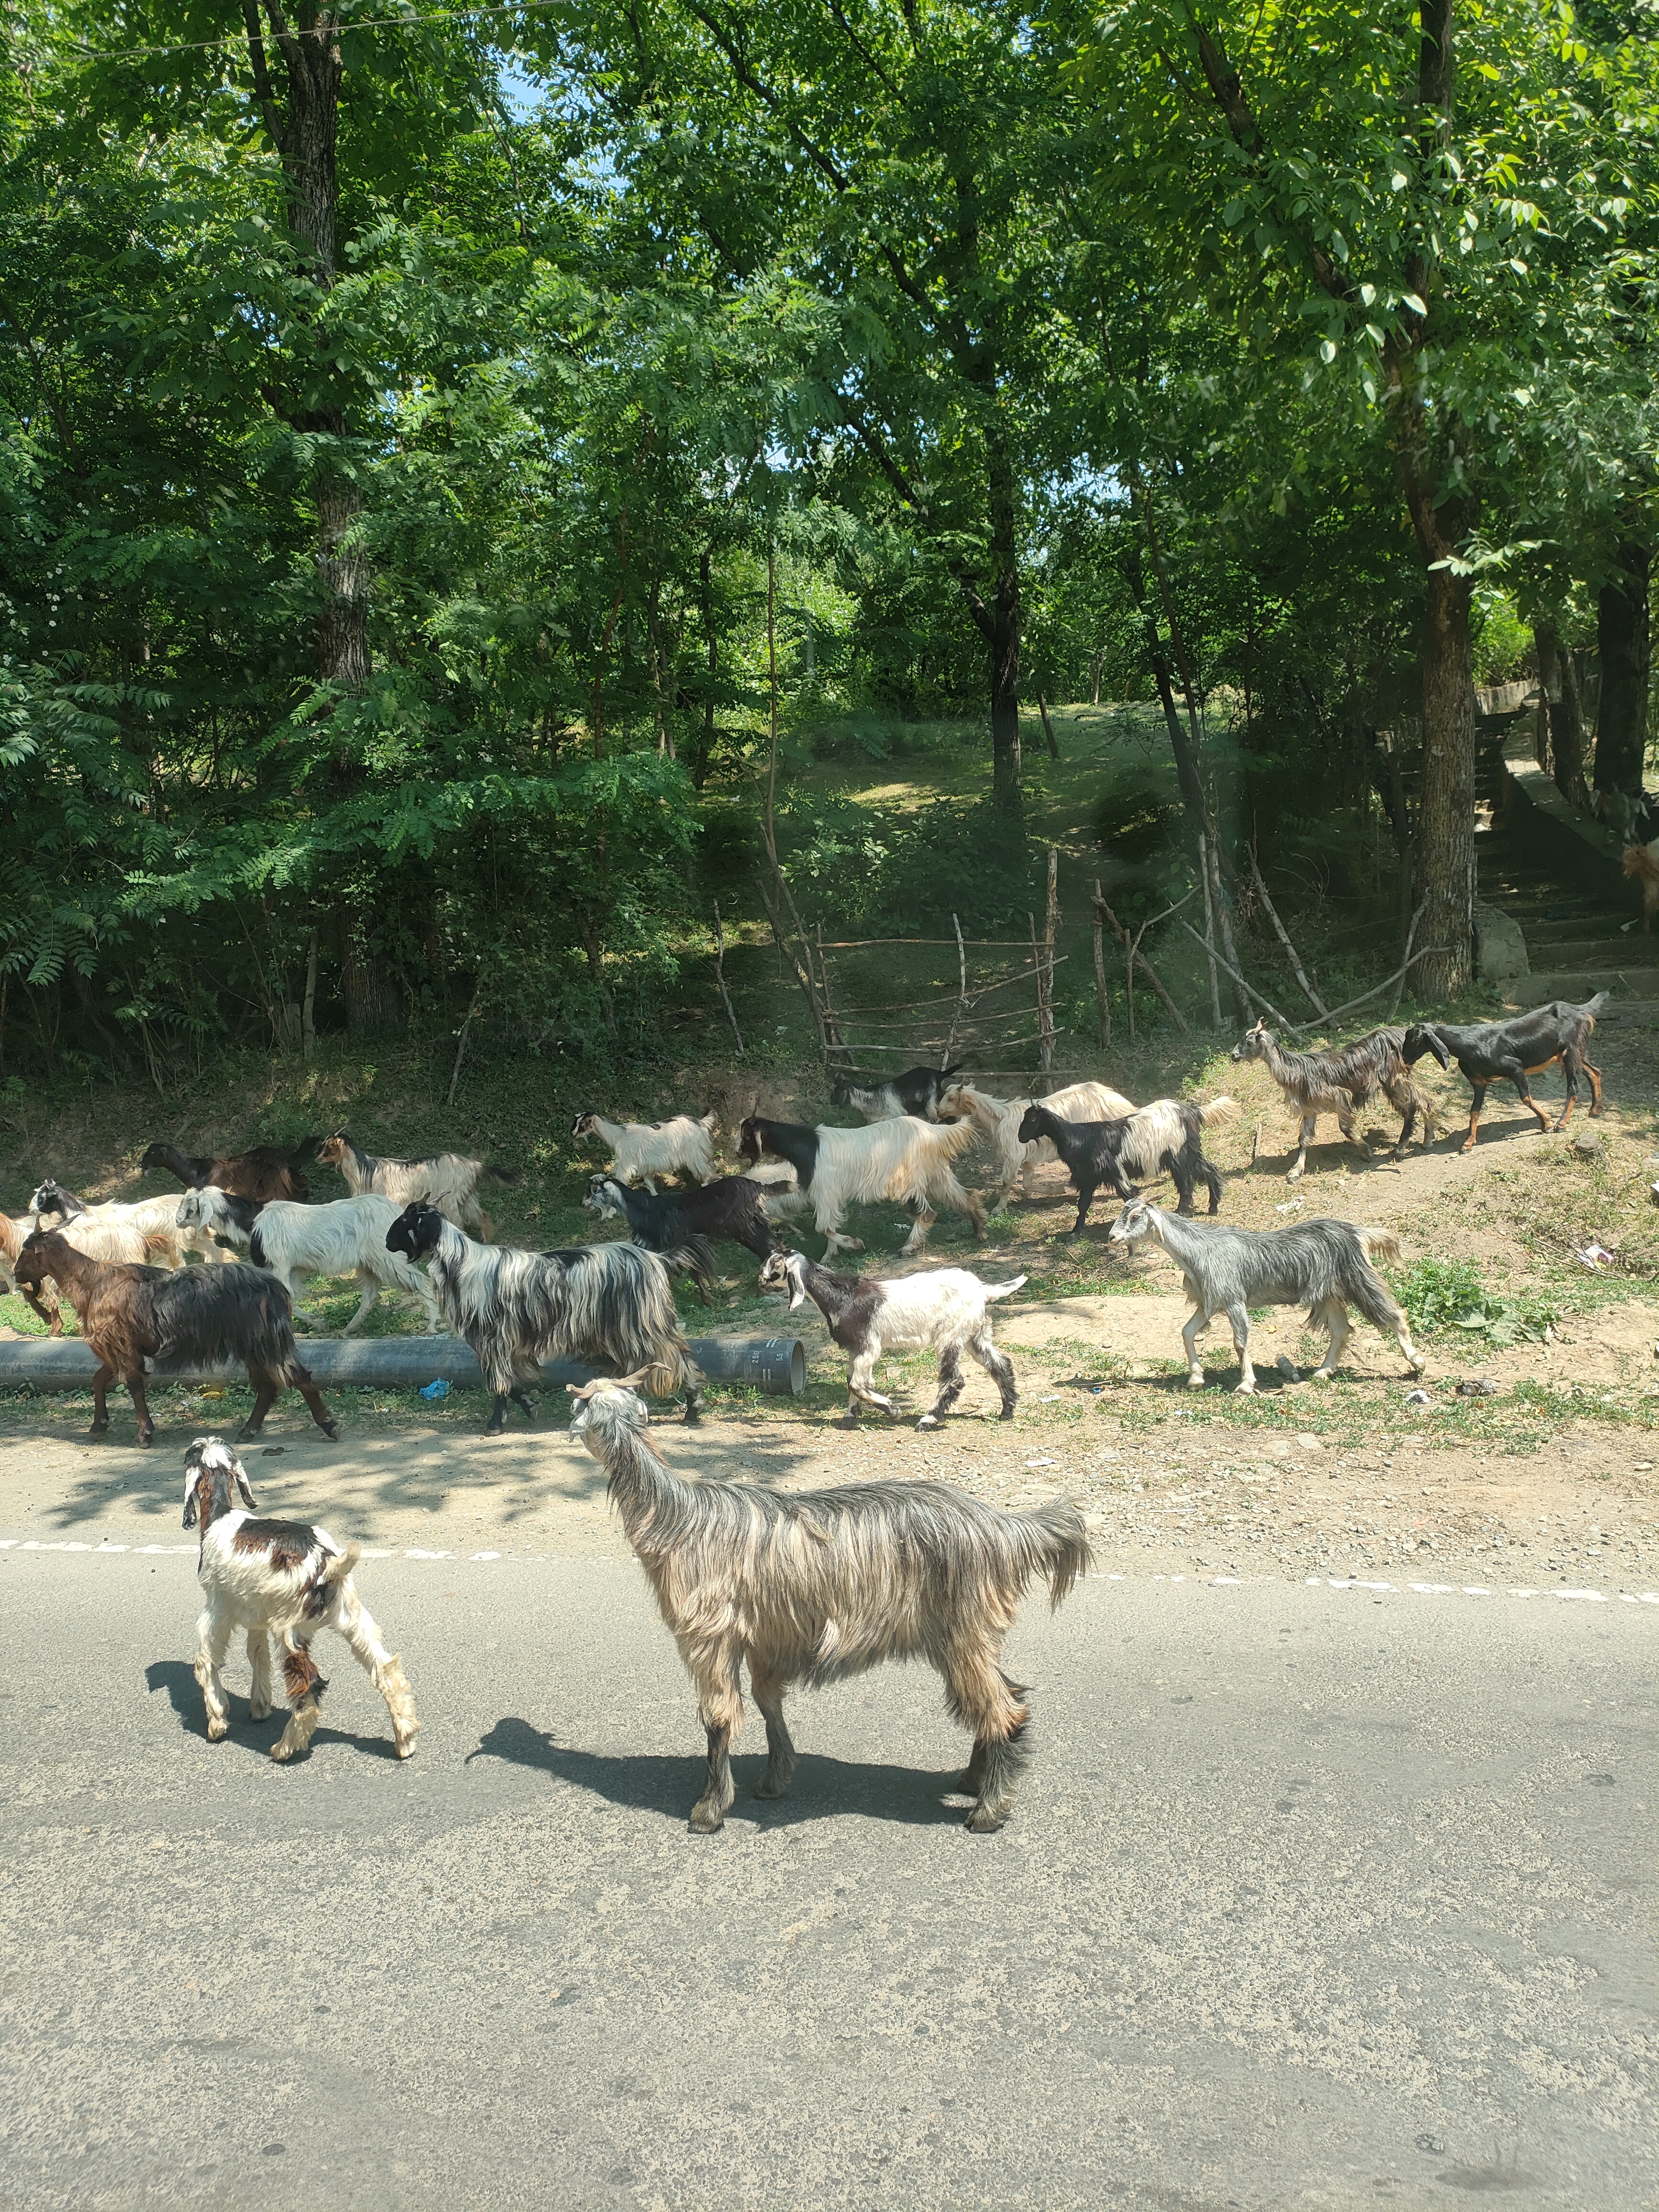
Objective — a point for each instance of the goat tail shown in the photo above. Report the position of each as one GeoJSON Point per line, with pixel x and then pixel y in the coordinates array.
{"type": "Point", "coordinates": [1060, 1547]}
{"type": "Point", "coordinates": [1594, 1006]}
{"type": "Point", "coordinates": [946, 1140]}
{"type": "Point", "coordinates": [1378, 1243]}
{"type": "Point", "coordinates": [340, 1567]}
{"type": "Point", "coordinates": [1003, 1290]}
{"type": "Point", "coordinates": [1216, 1110]}
{"type": "Point", "coordinates": [693, 1255]}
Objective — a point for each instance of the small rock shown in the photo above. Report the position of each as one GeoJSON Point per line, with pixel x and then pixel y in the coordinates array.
{"type": "Point", "coordinates": [1310, 1443]}
{"type": "Point", "coordinates": [1588, 1144]}
{"type": "Point", "coordinates": [1477, 1386]}
{"type": "Point", "coordinates": [1422, 1398]}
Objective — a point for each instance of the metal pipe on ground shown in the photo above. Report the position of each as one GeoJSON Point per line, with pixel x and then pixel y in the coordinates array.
{"type": "Point", "coordinates": [776, 1364]}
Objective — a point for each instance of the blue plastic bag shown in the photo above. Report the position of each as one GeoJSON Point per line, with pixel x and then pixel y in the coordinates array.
{"type": "Point", "coordinates": [434, 1391]}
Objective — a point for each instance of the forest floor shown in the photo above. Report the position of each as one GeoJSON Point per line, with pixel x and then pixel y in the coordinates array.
{"type": "Point", "coordinates": [1549, 1477]}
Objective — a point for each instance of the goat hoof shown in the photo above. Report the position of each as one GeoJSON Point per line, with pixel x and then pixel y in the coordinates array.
{"type": "Point", "coordinates": [928, 1421]}
{"type": "Point", "coordinates": [1007, 1414]}
{"type": "Point", "coordinates": [1196, 1382]}
{"type": "Point", "coordinates": [984, 1821]}
{"type": "Point", "coordinates": [217, 1731]}
{"type": "Point", "coordinates": [1243, 1389]}
{"type": "Point", "coordinates": [146, 1438]}
{"type": "Point", "coordinates": [706, 1820]}
{"type": "Point", "coordinates": [258, 1709]}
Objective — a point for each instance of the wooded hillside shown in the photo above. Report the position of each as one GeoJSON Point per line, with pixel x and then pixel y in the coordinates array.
{"type": "Point", "coordinates": [463, 474]}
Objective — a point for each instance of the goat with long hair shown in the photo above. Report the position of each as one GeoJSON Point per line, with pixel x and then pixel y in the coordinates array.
{"type": "Point", "coordinates": [1344, 1084]}
{"type": "Point", "coordinates": [448, 1181]}
{"type": "Point", "coordinates": [821, 1584]}
{"type": "Point", "coordinates": [998, 1120]}
{"type": "Point", "coordinates": [907, 1159]}
{"type": "Point", "coordinates": [209, 1315]}
{"type": "Point", "coordinates": [260, 1173]}
{"type": "Point", "coordinates": [609, 1304]}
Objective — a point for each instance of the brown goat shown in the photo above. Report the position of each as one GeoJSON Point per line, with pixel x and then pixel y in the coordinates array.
{"type": "Point", "coordinates": [210, 1316]}
{"type": "Point", "coordinates": [262, 1173]}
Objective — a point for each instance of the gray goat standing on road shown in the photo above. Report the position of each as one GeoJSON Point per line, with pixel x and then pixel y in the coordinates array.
{"type": "Point", "coordinates": [815, 1585]}
{"type": "Point", "coordinates": [1325, 1265]}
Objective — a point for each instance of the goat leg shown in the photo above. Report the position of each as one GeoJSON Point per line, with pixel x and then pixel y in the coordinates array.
{"type": "Point", "coordinates": [522, 1399]}
{"type": "Point", "coordinates": [860, 1377]}
{"type": "Point", "coordinates": [1332, 1318]}
{"type": "Point", "coordinates": [998, 1365]}
{"type": "Point", "coordinates": [368, 1296]}
{"type": "Point", "coordinates": [100, 1382]}
{"type": "Point", "coordinates": [213, 1640]}
{"type": "Point", "coordinates": [781, 1758]}
{"type": "Point", "coordinates": [1595, 1075]}
{"type": "Point", "coordinates": [1305, 1135]}
{"type": "Point", "coordinates": [1086, 1196]}
{"type": "Point", "coordinates": [258, 1658]}
{"type": "Point", "coordinates": [949, 1387]}
{"type": "Point", "coordinates": [497, 1420]}
{"type": "Point", "coordinates": [1197, 1322]}
{"type": "Point", "coordinates": [135, 1383]}
{"type": "Point", "coordinates": [1238, 1320]}
{"type": "Point", "coordinates": [1475, 1106]}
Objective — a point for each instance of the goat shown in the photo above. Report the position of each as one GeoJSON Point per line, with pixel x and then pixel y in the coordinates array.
{"type": "Point", "coordinates": [261, 1173]}
{"type": "Point", "coordinates": [1167, 1133]}
{"type": "Point", "coordinates": [610, 1304]}
{"type": "Point", "coordinates": [282, 1579]}
{"type": "Point", "coordinates": [1642, 861]}
{"type": "Point", "coordinates": [947, 1311]}
{"type": "Point", "coordinates": [886, 1097]}
{"type": "Point", "coordinates": [209, 1316]}
{"type": "Point", "coordinates": [680, 1224]}
{"type": "Point", "coordinates": [823, 1585]}
{"type": "Point", "coordinates": [100, 1240]}
{"type": "Point", "coordinates": [642, 1151]}
{"type": "Point", "coordinates": [907, 1159]}
{"type": "Point", "coordinates": [345, 1238]}
{"type": "Point", "coordinates": [448, 1181]}
{"type": "Point", "coordinates": [998, 1120]}
{"type": "Point", "coordinates": [153, 1218]}
{"type": "Point", "coordinates": [1344, 1084]}
{"type": "Point", "coordinates": [1325, 1265]}
{"type": "Point", "coordinates": [1494, 1052]}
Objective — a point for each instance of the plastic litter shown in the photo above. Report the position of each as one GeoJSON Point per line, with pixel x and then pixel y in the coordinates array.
{"type": "Point", "coordinates": [1288, 1368]}
{"type": "Point", "coordinates": [1593, 1256]}
{"type": "Point", "coordinates": [434, 1391]}
{"type": "Point", "coordinates": [1419, 1398]}
{"type": "Point", "coordinates": [1039, 1462]}
{"type": "Point", "coordinates": [1291, 1206]}
{"type": "Point", "coordinates": [1477, 1386]}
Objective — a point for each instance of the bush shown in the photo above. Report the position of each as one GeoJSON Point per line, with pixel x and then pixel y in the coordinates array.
{"type": "Point", "coordinates": [1442, 1294]}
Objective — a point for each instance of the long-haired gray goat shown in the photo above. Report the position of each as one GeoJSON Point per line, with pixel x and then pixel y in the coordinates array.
{"type": "Point", "coordinates": [1325, 1265]}
{"type": "Point", "coordinates": [610, 1304]}
{"type": "Point", "coordinates": [817, 1586]}
{"type": "Point", "coordinates": [1344, 1084]}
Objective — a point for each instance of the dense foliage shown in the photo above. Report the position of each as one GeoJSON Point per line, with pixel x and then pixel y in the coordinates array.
{"type": "Point", "coordinates": [406, 429]}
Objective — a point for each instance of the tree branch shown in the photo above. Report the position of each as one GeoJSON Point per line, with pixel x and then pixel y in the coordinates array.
{"type": "Point", "coordinates": [263, 91]}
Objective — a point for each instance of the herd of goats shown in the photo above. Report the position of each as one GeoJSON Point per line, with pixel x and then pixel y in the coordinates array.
{"type": "Point", "coordinates": [803, 1587]}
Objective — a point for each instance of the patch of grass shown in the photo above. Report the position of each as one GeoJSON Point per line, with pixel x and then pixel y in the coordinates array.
{"type": "Point", "coordinates": [1450, 1294]}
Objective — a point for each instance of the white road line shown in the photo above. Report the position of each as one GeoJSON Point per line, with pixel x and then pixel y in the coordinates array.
{"type": "Point", "coordinates": [107, 1550]}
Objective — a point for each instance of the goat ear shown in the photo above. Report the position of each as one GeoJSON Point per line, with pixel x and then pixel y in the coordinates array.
{"type": "Point", "coordinates": [239, 1474]}
{"type": "Point", "coordinates": [797, 1294]}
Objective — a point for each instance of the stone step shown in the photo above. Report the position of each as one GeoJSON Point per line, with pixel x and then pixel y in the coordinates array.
{"type": "Point", "coordinates": [1592, 954]}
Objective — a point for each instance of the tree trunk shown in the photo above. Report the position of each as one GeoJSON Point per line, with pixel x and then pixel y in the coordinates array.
{"type": "Point", "coordinates": [1563, 714]}
{"type": "Point", "coordinates": [1186, 758]}
{"type": "Point", "coordinates": [369, 995]}
{"type": "Point", "coordinates": [1445, 817]}
{"type": "Point", "coordinates": [306, 135]}
{"type": "Point", "coordinates": [1002, 636]}
{"type": "Point", "coordinates": [1621, 726]}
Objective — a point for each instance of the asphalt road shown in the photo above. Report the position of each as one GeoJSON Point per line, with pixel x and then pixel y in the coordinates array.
{"type": "Point", "coordinates": [1314, 1897]}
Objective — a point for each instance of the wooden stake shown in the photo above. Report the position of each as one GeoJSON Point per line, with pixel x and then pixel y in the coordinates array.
{"type": "Point", "coordinates": [1209, 930]}
{"type": "Point", "coordinates": [1046, 979]}
{"type": "Point", "coordinates": [720, 977]}
{"type": "Point", "coordinates": [1047, 727]}
{"type": "Point", "coordinates": [1102, 1003]}
{"type": "Point", "coordinates": [1272, 912]}
{"type": "Point", "coordinates": [1248, 989]}
{"type": "Point", "coordinates": [1136, 957]}
{"type": "Point", "coordinates": [461, 1049]}
{"type": "Point", "coordinates": [961, 1013]}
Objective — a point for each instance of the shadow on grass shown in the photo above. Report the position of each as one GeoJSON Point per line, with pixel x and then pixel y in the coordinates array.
{"type": "Point", "coordinates": [650, 1783]}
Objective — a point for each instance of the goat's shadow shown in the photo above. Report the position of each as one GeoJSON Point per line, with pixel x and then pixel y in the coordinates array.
{"type": "Point", "coordinates": [652, 1783]}
{"type": "Point", "coordinates": [177, 1678]}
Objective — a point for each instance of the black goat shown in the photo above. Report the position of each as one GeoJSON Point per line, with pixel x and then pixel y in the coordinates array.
{"type": "Point", "coordinates": [680, 1223]}
{"type": "Point", "coordinates": [261, 1173]}
{"type": "Point", "coordinates": [1508, 1052]}
{"type": "Point", "coordinates": [1167, 1134]}
{"type": "Point", "coordinates": [885, 1098]}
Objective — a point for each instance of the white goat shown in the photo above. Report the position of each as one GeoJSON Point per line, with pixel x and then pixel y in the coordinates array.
{"type": "Point", "coordinates": [907, 1159]}
{"type": "Point", "coordinates": [947, 1310]}
{"type": "Point", "coordinates": [641, 1151]}
{"type": "Point", "coordinates": [282, 1579]}
{"type": "Point", "coordinates": [153, 1219]}
{"type": "Point", "coordinates": [998, 1120]}
{"type": "Point", "coordinates": [111, 1243]}
{"type": "Point", "coordinates": [448, 1181]}
{"type": "Point", "coordinates": [346, 1237]}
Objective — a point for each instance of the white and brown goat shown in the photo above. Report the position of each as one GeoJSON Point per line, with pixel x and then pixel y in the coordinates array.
{"type": "Point", "coordinates": [284, 1579]}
